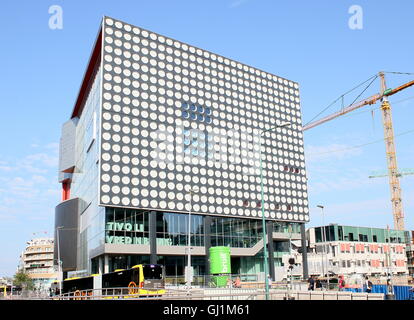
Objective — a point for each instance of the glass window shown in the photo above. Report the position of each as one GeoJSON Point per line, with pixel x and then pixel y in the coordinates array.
{"type": "Point", "coordinates": [152, 272]}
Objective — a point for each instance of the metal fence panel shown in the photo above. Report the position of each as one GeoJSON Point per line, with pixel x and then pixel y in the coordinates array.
{"type": "Point", "coordinates": [402, 292]}
{"type": "Point", "coordinates": [379, 288]}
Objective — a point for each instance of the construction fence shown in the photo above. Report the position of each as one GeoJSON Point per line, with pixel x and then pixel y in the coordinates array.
{"type": "Point", "coordinates": [399, 292]}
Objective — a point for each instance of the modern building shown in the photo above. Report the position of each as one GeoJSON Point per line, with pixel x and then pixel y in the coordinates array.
{"type": "Point", "coordinates": [165, 138]}
{"type": "Point", "coordinates": [37, 261]}
{"type": "Point", "coordinates": [351, 250]}
{"type": "Point", "coordinates": [410, 255]}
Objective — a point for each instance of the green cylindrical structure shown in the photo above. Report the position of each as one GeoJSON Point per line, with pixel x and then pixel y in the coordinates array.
{"type": "Point", "coordinates": [220, 265]}
{"type": "Point", "coordinates": [220, 260]}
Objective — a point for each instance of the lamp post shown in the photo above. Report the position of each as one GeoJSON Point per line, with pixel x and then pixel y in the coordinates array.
{"type": "Point", "coordinates": [290, 257]}
{"type": "Point", "coordinates": [262, 205]}
{"type": "Point", "coordinates": [323, 246]}
{"type": "Point", "coordinates": [390, 266]}
{"type": "Point", "coordinates": [59, 261]}
{"type": "Point", "coordinates": [189, 273]}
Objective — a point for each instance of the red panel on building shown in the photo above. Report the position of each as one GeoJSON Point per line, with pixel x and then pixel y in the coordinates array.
{"type": "Point", "coordinates": [375, 263]}
{"type": "Point", "coordinates": [65, 190]}
{"type": "Point", "coordinates": [360, 247]}
{"type": "Point", "coordinates": [400, 263]}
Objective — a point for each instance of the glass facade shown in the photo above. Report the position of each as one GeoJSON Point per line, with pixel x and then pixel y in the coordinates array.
{"type": "Point", "coordinates": [361, 234]}
{"type": "Point", "coordinates": [236, 233]}
{"type": "Point", "coordinates": [85, 177]}
{"type": "Point", "coordinates": [286, 227]}
{"type": "Point", "coordinates": [130, 226]}
{"type": "Point", "coordinates": [172, 229]}
{"type": "Point", "coordinates": [125, 226]}
{"type": "Point", "coordinates": [175, 265]}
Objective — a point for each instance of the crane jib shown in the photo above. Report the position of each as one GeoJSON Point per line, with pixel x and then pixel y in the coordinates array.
{"type": "Point", "coordinates": [388, 138]}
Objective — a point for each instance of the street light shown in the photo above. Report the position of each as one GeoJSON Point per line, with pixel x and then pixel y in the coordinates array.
{"type": "Point", "coordinates": [290, 257]}
{"type": "Point", "coordinates": [324, 256]}
{"type": "Point", "coordinates": [263, 215]}
{"type": "Point", "coordinates": [390, 266]}
{"type": "Point", "coordinates": [189, 273]}
{"type": "Point", "coordinates": [59, 261]}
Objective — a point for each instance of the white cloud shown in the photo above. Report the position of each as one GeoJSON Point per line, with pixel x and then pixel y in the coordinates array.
{"type": "Point", "coordinates": [39, 179]}
{"type": "Point", "coordinates": [237, 3]}
{"type": "Point", "coordinates": [6, 168]}
{"type": "Point", "coordinates": [369, 212]}
{"type": "Point", "coordinates": [341, 181]}
{"type": "Point", "coordinates": [53, 145]}
{"type": "Point", "coordinates": [40, 158]}
{"type": "Point", "coordinates": [333, 151]}
{"type": "Point", "coordinates": [28, 185]}
{"type": "Point", "coordinates": [365, 213]}
{"type": "Point", "coordinates": [35, 163]}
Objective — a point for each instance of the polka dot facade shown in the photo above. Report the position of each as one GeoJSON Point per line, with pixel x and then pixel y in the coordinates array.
{"type": "Point", "coordinates": [175, 116]}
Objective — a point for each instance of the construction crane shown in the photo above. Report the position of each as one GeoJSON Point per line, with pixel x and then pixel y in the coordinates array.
{"type": "Point", "coordinates": [394, 182]}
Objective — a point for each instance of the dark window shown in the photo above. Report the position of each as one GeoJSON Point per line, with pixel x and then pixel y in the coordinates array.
{"type": "Point", "coordinates": [340, 234]}
{"type": "Point", "coordinates": [152, 272]}
{"type": "Point", "coordinates": [330, 233]}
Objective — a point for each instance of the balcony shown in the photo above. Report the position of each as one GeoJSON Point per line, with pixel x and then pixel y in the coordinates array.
{"type": "Point", "coordinates": [285, 236]}
{"type": "Point", "coordinates": [38, 258]}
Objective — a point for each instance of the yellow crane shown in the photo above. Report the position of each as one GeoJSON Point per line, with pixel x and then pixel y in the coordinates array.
{"type": "Point", "coordinates": [393, 174]}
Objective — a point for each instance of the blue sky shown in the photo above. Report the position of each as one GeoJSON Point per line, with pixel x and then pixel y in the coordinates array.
{"type": "Point", "coordinates": [306, 41]}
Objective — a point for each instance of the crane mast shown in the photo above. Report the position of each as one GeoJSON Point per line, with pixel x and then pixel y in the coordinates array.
{"type": "Point", "coordinates": [394, 181]}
